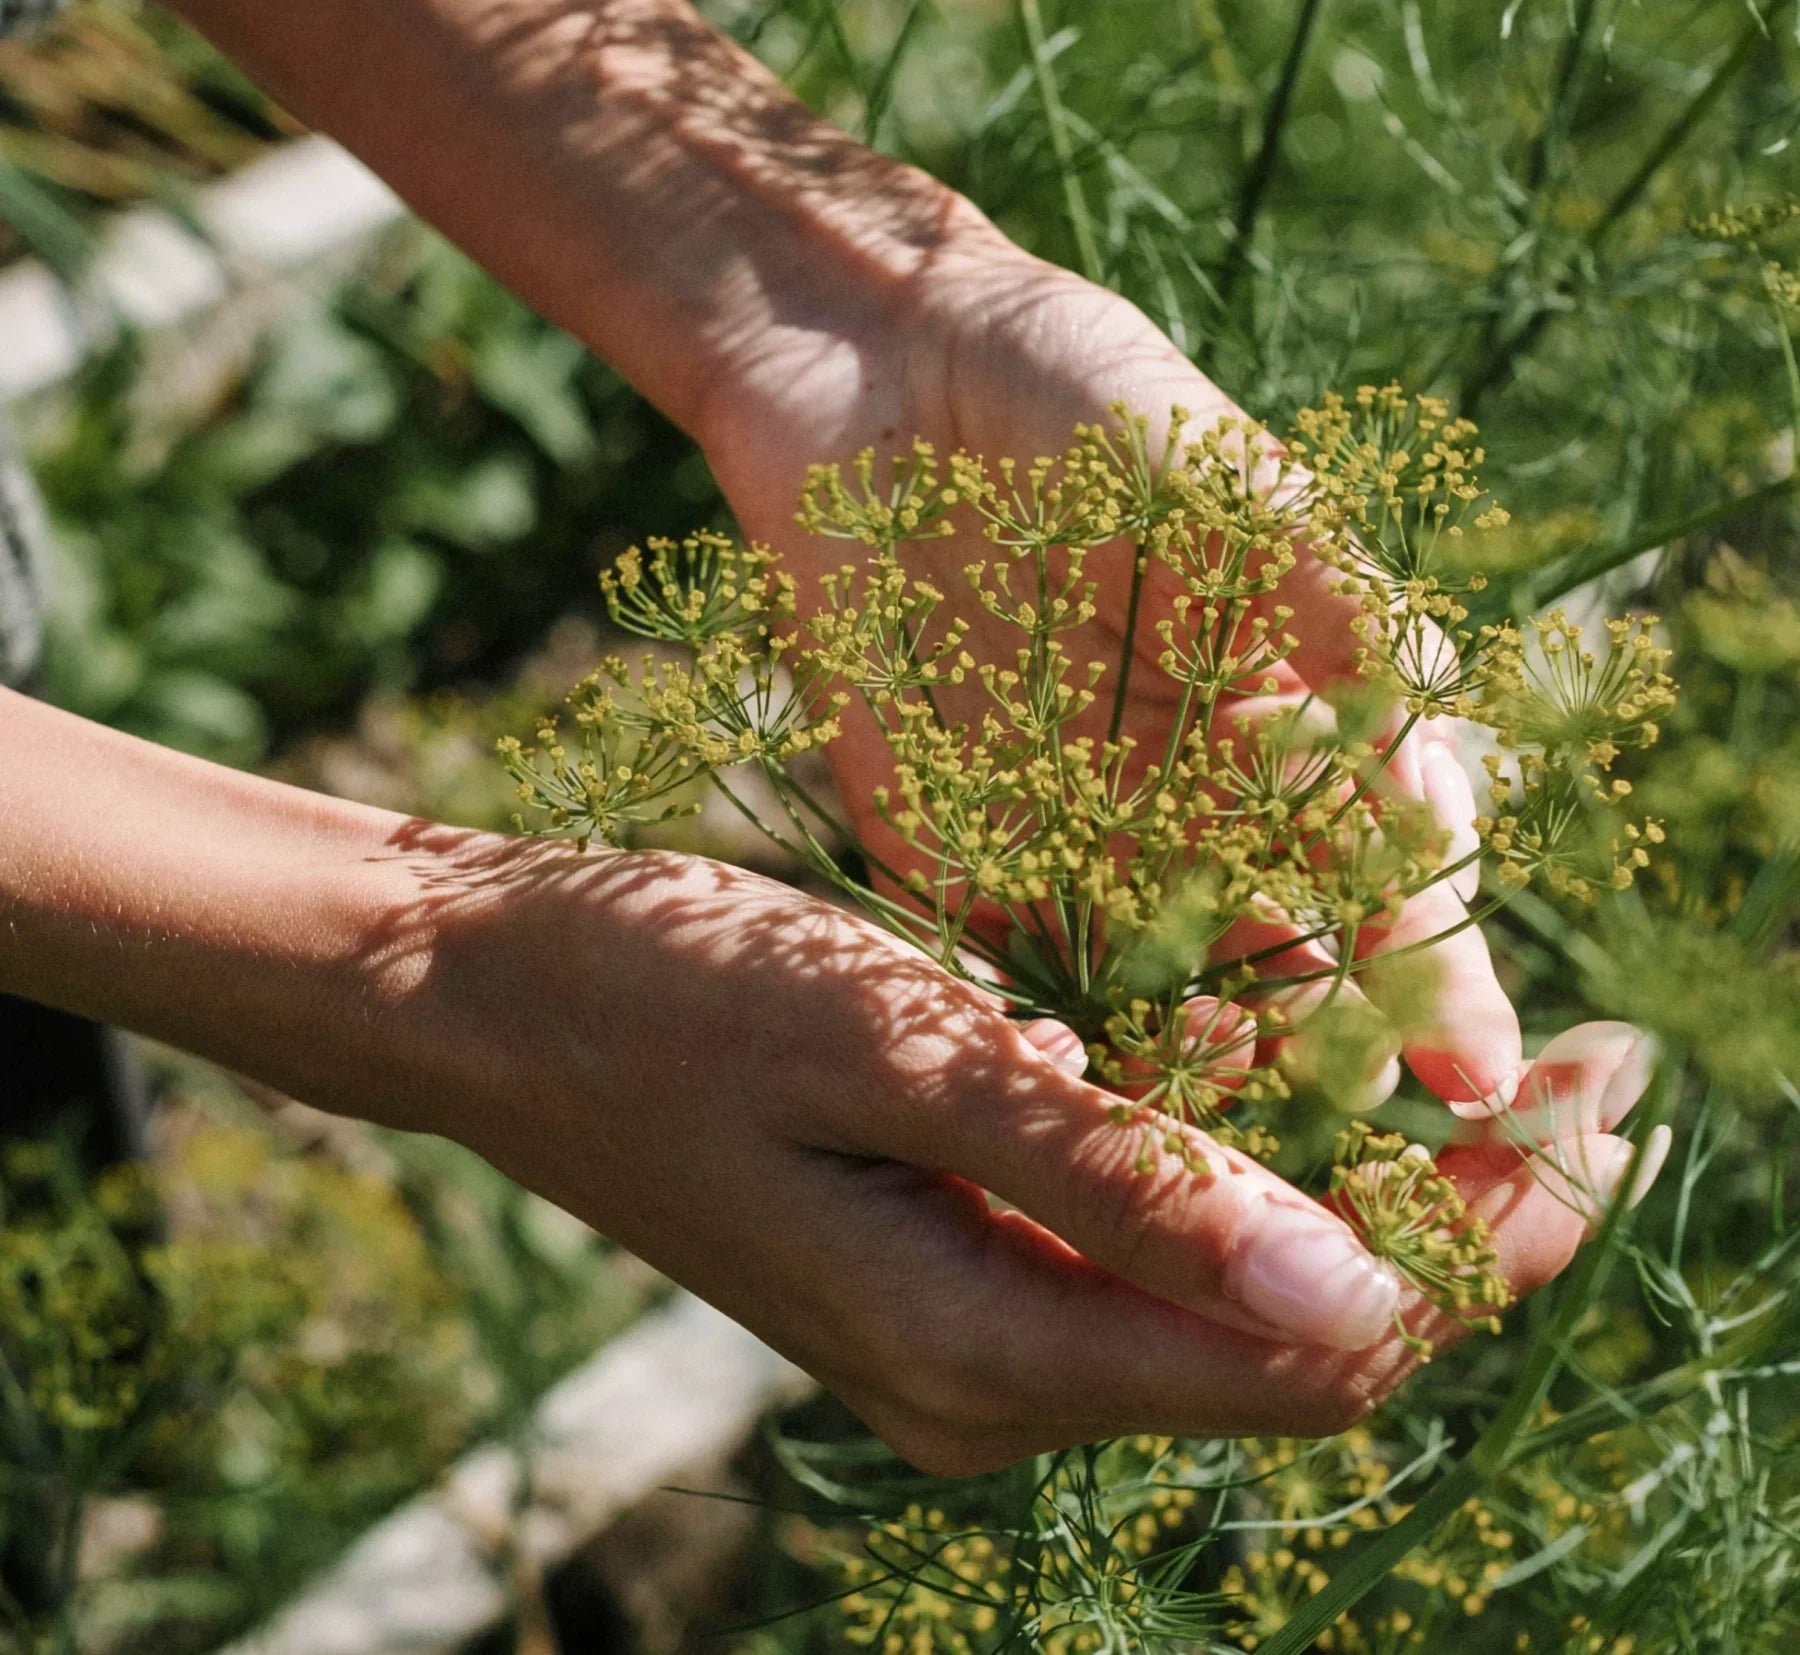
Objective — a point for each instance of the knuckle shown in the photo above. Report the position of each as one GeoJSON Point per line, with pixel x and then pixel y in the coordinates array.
{"type": "Point", "coordinates": [1111, 1201]}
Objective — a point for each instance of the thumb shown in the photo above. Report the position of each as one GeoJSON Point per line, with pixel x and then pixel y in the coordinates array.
{"type": "Point", "coordinates": [1193, 1222]}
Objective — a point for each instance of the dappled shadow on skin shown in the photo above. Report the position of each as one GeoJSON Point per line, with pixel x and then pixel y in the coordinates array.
{"type": "Point", "coordinates": [789, 1075]}
{"type": "Point", "coordinates": [804, 981]}
{"type": "Point", "coordinates": [623, 80]}
{"type": "Point", "coordinates": [783, 1084]}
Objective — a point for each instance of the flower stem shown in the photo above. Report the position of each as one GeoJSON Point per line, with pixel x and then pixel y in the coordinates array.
{"type": "Point", "coordinates": [1081, 222]}
{"type": "Point", "coordinates": [1496, 364]}
{"type": "Point", "coordinates": [1128, 649]}
{"type": "Point", "coordinates": [1493, 1451]}
{"type": "Point", "coordinates": [1262, 169]}
{"type": "Point", "coordinates": [1561, 578]}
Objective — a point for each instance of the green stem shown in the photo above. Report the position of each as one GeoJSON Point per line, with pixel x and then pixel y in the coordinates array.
{"type": "Point", "coordinates": [1682, 128]}
{"type": "Point", "coordinates": [1382, 761]}
{"type": "Point", "coordinates": [882, 93]}
{"type": "Point", "coordinates": [1494, 1450]}
{"type": "Point", "coordinates": [1437, 877]}
{"type": "Point", "coordinates": [1376, 1561]}
{"type": "Point", "coordinates": [1268, 154]}
{"type": "Point", "coordinates": [783, 780]}
{"type": "Point", "coordinates": [1556, 117]}
{"type": "Point", "coordinates": [1562, 578]}
{"type": "Point", "coordinates": [953, 934]}
{"type": "Point", "coordinates": [1605, 1413]}
{"type": "Point", "coordinates": [1497, 363]}
{"type": "Point", "coordinates": [1537, 166]}
{"type": "Point", "coordinates": [1791, 364]}
{"type": "Point", "coordinates": [1386, 957]}
{"type": "Point", "coordinates": [67, 1572]}
{"type": "Point", "coordinates": [1127, 650]}
{"type": "Point", "coordinates": [833, 25]}
{"type": "Point", "coordinates": [1081, 222]}
{"type": "Point", "coordinates": [901, 921]}
{"type": "Point", "coordinates": [1579, 949]}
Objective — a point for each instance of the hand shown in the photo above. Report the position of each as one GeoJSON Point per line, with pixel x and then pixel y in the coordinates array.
{"type": "Point", "coordinates": [797, 1117]}
{"type": "Point", "coordinates": [994, 351]}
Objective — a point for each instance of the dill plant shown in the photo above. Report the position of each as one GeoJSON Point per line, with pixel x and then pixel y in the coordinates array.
{"type": "Point", "coordinates": [1037, 850]}
{"type": "Point", "coordinates": [1527, 204]}
{"type": "Point", "coordinates": [235, 1341]}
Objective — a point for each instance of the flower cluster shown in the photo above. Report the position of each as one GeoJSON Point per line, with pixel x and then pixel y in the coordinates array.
{"type": "Point", "coordinates": [1195, 893]}
{"type": "Point", "coordinates": [1411, 1214]}
{"type": "Point", "coordinates": [1078, 1568]}
{"type": "Point", "coordinates": [1564, 713]}
{"type": "Point", "coordinates": [1753, 228]}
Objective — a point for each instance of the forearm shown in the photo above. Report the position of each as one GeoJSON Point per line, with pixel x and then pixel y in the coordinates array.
{"type": "Point", "coordinates": [262, 926]}
{"type": "Point", "coordinates": [628, 171]}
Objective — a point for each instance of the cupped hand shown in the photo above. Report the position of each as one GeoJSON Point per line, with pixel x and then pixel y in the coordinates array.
{"type": "Point", "coordinates": [998, 353]}
{"type": "Point", "coordinates": [800, 1119]}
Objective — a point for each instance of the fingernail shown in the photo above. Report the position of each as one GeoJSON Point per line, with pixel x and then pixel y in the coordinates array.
{"type": "Point", "coordinates": [1586, 1080]}
{"type": "Point", "coordinates": [1302, 1271]}
{"type": "Point", "coordinates": [1656, 1151]}
{"type": "Point", "coordinates": [1628, 1082]}
{"type": "Point", "coordinates": [1060, 1043]}
{"type": "Point", "coordinates": [1385, 1083]}
{"type": "Point", "coordinates": [1602, 1181]}
{"type": "Point", "coordinates": [1491, 1103]}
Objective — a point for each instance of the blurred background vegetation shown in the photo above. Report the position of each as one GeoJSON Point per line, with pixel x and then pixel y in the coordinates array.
{"type": "Point", "coordinates": [362, 542]}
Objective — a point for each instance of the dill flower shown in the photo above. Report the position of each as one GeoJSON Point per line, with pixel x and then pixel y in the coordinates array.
{"type": "Point", "coordinates": [1563, 713]}
{"type": "Point", "coordinates": [1088, 878]}
{"type": "Point", "coordinates": [694, 590]}
{"type": "Point", "coordinates": [1410, 1214]}
{"type": "Point", "coordinates": [1078, 1573]}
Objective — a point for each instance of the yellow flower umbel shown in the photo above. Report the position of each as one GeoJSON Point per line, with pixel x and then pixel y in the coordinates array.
{"type": "Point", "coordinates": [1077, 1576]}
{"type": "Point", "coordinates": [1563, 713]}
{"type": "Point", "coordinates": [1108, 875]}
{"type": "Point", "coordinates": [1410, 1214]}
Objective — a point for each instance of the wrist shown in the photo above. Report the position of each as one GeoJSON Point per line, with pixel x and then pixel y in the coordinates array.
{"type": "Point", "coordinates": [634, 175]}
{"type": "Point", "coordinates": [252, 923]}
{"type": "Point", "coordinates": [752, 231]}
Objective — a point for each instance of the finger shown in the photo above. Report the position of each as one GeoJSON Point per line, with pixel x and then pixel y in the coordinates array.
{"type": "Point", "coordinates": [1224, 1033]}
{"type": "Point", "coordinates": [1074, 1353]}
{"type": "Point", "coordinates": [1459, 1032]}
{"type": "Point", "coordinates": [1538, 1209]}
{"type": "Point", "coordinates": [1218, 1037]}
{"type": "Point", "coordinates": [1069, 1352]}
{"type": "Point", "coordinates": [1266, 939]}
{"type": "Point", "coordinates": [1338, 1043]}
{"type": "Point", "coordinates": [1326, 1034]}
{"type": "Point", "coordinates": [1329, 641]}
{"type": "Point", "coordinates": [1587, 1079]}
{"type": "Point", "coordinates": [1309, 721]}
{"type": "Point", "coordinates": [1200, 1225]}
{"type": "Point", "coordinates": [1323, 624]}
{"type": "Point", "coordinates": [1451, 796]}
{"type": "Point", "coordinates": [1058, 1042]}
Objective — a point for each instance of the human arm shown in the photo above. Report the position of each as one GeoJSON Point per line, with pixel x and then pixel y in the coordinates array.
{"type": "Point", "coordinates": [788, 296]}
